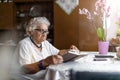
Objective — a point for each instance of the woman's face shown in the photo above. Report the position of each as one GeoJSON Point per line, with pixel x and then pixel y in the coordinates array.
{"type": "Point", "coordinates": [40, 33]}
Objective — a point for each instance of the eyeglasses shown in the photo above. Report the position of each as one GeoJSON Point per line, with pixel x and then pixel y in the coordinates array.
{"type": "Point", "coordinates": [42, 31]}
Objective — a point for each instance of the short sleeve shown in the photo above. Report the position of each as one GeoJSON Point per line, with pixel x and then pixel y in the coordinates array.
{"type": "Point", "coordinates": [23, 53]}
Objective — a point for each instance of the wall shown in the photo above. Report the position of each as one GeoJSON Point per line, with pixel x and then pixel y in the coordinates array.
{"type": "Point", "coordinates": [87, 34]}
{"type": "Point", "coordinates": [74, 28]}
{"type": "Point", "coordinates": [66, 28]}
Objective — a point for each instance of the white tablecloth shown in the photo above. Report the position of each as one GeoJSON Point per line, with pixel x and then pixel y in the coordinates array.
{"type": "Point", "coordinates": [86, 63]}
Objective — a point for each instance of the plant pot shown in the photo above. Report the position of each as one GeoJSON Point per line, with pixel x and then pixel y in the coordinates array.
{"type": "Point", "coordinates": [103, 47]}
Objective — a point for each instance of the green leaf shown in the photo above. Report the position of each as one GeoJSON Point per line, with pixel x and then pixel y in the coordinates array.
{"type": "Point", "coordinates": [100, 33]}
{"type": "Point", "coordinates": [118, 31]}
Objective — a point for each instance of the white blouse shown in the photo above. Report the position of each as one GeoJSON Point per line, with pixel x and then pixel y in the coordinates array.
{"type": "Point", "coordinates": [28, 53]}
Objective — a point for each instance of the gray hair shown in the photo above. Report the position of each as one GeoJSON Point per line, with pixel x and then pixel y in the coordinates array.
{"type": "Point", "coordinates": [35, 22]}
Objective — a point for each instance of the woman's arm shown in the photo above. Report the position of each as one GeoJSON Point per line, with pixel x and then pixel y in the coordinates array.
{"type": "Point", "coordinates": [42, 64]}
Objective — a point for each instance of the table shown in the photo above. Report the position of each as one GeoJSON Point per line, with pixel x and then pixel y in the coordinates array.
{"type": "Point", "coordinates": [86, 63]}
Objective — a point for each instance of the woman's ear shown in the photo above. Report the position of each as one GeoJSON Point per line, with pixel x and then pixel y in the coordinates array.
{"type": "Point", "coordinates": [31, 32]}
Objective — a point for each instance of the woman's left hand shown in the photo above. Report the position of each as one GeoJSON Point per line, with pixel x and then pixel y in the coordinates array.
{"type": "Point", "coordinates": [74, 48]}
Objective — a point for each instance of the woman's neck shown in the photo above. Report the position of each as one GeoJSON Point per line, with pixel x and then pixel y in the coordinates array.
{"type": "Point", "coordinates": [35, 42]}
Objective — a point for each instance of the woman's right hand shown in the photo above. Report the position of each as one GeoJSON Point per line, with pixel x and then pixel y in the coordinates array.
{"type": "Point", "coordinates": [54, 59]}
{"type": "Point", "coordinates": [62, 52]}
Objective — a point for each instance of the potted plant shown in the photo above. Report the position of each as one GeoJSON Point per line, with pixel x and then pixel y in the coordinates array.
{"type": "Point", "coordinates": [103, 45]}
{"type": "Point", "coordinates": [99, 21]}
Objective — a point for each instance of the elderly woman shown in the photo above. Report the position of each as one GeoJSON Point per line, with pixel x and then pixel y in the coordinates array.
{"type": "Point", "coordinates": [35, 53]}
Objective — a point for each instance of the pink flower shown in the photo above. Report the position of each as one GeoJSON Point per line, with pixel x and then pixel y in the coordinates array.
{"type": "Point", "coordinates": [86, 12]}
{"type": "Point", "coordinates": [102, 7]}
